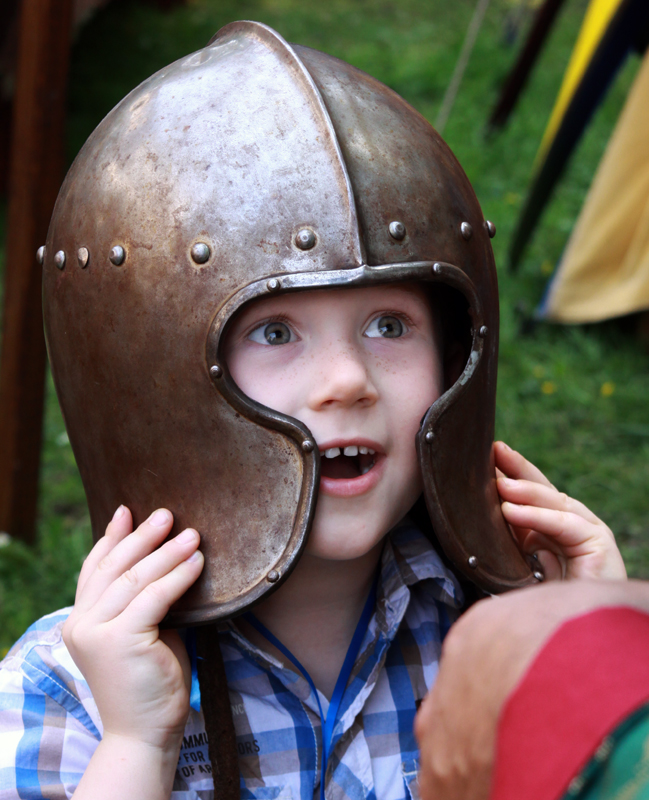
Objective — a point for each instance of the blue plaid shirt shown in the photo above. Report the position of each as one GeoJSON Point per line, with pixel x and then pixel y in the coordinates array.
{"type": "Point", "coordinates": [49, 725]}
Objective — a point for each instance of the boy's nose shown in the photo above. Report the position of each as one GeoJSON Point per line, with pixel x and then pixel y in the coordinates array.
{"type": "Point", "coordinates": [343, 381]}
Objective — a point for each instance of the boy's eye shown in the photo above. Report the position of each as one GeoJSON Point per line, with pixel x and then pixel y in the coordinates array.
{"type": "Point", "coordinates": [389, 327]}
{"type": "Point", "coordinates": [272, 333]}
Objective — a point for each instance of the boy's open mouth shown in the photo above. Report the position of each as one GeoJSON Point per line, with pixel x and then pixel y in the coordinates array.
{"type": "Point", "coordinates": [346, 463]}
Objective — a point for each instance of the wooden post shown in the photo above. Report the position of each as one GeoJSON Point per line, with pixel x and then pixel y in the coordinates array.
{"type": "Point", "coordinates": [517, 78]}
{"type": "Point", "coordinates": [37, 158]}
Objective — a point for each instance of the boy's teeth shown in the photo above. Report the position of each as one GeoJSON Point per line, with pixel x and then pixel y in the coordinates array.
{"type": "Point", "coordinates": [366, 468]}
{"type": "Point", "coordinates": [350, 450]}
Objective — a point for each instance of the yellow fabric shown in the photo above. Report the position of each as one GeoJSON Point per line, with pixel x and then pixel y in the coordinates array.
{"type": "Point", "coordinates": [605, 268]}
{"type": "Point", "coordinates": [597, 19]}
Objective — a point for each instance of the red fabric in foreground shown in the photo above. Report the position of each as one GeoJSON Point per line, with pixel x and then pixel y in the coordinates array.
{"type": "Point", "coordinates": [592, 673]}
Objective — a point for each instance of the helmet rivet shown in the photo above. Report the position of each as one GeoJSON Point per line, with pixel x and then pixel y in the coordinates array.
{"type": "Point", "coordinates": [200, 252]}
{"type": "Point", "coordinates": [82, 257]}
{"type": "Point", "coordinates": [483, 331]}
{"type": "Point", "coordinates": [305, 239]}
{"type": "Point", "coordinates": [273, 576]}
{"type": "Point", "coordinates": [273, 285]}
{"type": "Point", "coordinates": [117, 255]}
{"type": "Point", "coordinates": [466, 230]}
{"type": "Point", "coordinates": [473, 562]}
{"type": "Point", "coordinates": [491, 228]}
{"type": "Point", "coordinates": [40, 254]}
{"type": "Point", "coordinates": [539, 576]}
{"type": "Point", "coordinates": [216, 371]}
{"type": "Point", "coordinates": [437, 269]}
{"type": "Point", "coordinates": [307, 445]}
{"type": "Point", "coordinates": [429, 437]}
{"type": "Point", "coordinates": [59, 259]}
{"type": "Point", "coordinates": [397, 230]}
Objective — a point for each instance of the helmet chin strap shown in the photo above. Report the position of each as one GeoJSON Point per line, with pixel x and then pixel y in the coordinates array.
{"type": "Point", "coordinates": [219, 726]}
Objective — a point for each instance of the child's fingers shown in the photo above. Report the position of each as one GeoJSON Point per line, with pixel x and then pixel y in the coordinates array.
{"type": "Point", "coordinates": [174, 642]}
{"type": "Point", "coordinates": [531, 493]}
{"type": "Point", "coordinates": [553, 569]}
{"type": "Point", "coordinates": [547, 553]}
{"type": "Point", "coordinates": [534, 542]}
{"type": "Point", "coordinates": [118, 528]}
{"type": "Point", "coordinates": [514, 465]}
{"type": "Point", "coordinates": [142, 575]}
{"type": "Point", "coordinates": [123, 556]}
{"type": "Point", "coordinates": [565, 528]}
{"type": "Point", "coordinates": [149, 607]}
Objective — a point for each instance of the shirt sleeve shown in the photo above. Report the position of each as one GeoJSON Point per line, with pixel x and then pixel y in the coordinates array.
{"type": "Point", "coordinates": [47, 735]}
{"type": "Point", "coordinates": [589, 677]}
{"type": "Point", "coordinates": [620, 766]}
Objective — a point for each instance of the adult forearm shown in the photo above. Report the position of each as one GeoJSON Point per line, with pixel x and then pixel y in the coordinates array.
{"type": "Point", "coordinates": [129, 769]}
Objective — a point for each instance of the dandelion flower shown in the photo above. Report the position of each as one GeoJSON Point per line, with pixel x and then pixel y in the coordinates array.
{"type": "Point", "coordinates": [548, 387]}
{"type": "Point", "coordinates": [607, 389]}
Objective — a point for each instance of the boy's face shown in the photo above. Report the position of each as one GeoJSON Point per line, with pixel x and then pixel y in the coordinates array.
{"type": "Point", "coordinates": [359, 367]}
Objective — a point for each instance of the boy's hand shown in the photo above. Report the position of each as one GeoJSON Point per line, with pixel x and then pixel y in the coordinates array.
{"type": "Point", "coordinates": [569, 540]}
{"type": "Point", "coordinates": [139, 676]}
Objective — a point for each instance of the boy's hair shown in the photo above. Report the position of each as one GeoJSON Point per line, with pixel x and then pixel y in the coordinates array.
{"type": "Point", "coordinates": [254, 167]}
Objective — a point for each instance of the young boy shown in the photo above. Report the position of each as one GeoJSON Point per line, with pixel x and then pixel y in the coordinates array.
{"type": "Point", "coordinates": [307, 303]}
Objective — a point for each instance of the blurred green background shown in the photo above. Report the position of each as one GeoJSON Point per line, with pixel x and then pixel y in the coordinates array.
{"type": "Point", "coordinates": [572, 399]}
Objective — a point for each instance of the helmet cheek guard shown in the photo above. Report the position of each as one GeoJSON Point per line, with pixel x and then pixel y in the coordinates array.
{"type": "Point", "coordinates": [252, 167]}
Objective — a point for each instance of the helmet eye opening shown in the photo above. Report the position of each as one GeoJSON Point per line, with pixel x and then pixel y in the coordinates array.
{"type": "Point", "coordinates": [451, 311]}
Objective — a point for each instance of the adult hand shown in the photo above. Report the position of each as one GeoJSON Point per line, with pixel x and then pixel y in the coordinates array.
{"type": "Point", "coordinates": [484, 657]}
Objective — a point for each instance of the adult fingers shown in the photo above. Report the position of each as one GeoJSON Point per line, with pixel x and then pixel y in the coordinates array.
{"type": "Point", "coordinates": [118, 528]}
{"type": "Point", "coordinates": [531, 493]}
{"type": "Point", "coordinates": [124, 555]}
{"type": "Point", "coordinates": [149, 607]}
{"type": "Point", "coordinates": [125, 588]}
{"type": "Point", "coordinates": [514, 465]}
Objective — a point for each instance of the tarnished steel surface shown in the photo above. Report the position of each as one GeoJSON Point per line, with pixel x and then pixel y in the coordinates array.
{"type": "Point", "coordinates": [284, 169]}
{"type": "Point", "coordinates": [230, 147]}
{"type": "Point", "coordinates": [401, 169]}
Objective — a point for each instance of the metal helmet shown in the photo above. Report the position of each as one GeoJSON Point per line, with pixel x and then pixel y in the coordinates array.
{"type": "Point", "coordinates": [247, 168]}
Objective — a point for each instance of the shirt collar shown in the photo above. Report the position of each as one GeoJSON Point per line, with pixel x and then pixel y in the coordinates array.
{"type": "Point", "coordinates": [409, 559]}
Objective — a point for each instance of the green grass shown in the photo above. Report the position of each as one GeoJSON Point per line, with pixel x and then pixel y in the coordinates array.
{"type": "Point", "coordinates": [595, 447]}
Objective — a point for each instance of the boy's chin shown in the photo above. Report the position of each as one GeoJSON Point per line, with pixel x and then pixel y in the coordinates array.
{"type": "Point", "coordinates": [345, 530]}
{"type": "Point", "coordinates": [329, 551]}
{"type": "Point", "coordinates": [343, 542]}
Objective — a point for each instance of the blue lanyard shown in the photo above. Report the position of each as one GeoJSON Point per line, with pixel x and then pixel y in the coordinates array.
{"type": "Point", "coordinates": [444, 621]}
{"type": "Point", "coordinates": [329, 721]}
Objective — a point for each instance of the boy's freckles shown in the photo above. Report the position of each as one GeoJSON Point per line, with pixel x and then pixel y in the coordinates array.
{"type": "Point", "coordinates": [359, 367]}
